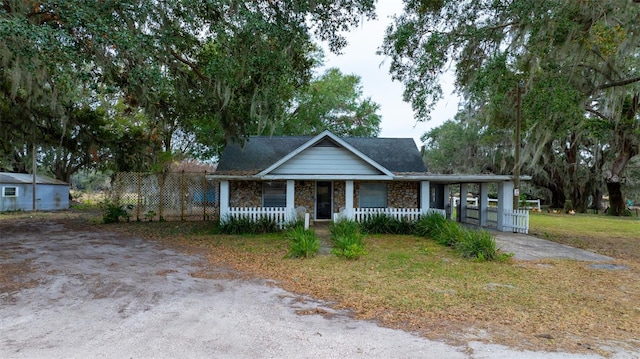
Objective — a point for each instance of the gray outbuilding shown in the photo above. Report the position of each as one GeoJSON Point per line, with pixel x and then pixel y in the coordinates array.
{"type": "Point", "coordinates": [17, 192]}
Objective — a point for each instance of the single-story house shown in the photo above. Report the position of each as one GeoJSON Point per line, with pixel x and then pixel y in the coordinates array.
{"type": "Point", "coordinates": [17, 192]}
{"type": "Point", "coordinates": [329, 177]}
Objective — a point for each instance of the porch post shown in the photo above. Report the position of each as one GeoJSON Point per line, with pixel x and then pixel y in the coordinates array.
{"type": "Point", "coordinates": [464, 189]}
{"type": "Point", "coordinates": [224, 199]}
{"type": "Point", "coordinates": [505, 203]}
{"type": "Point", "coordinates": [291, 211]}
{"type": "Point", "coordinates": [447, 201]}
{"type": "Point", "coordinates": [483, 204]}
{"type": "Point", "coordinates": [348, 199]}
{"type": "Point", "coordinates": [425, 196]}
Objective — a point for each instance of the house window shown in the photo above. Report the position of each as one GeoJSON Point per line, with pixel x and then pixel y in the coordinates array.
{"type": "Point", "coordinates": [373, 195]}
{"type": "Point", "coordinates": [274, 194]}
{"type": "Point", "coordinates": [9, 191]}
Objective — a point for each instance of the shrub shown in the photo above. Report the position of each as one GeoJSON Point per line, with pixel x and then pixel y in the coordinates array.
{"type": "Point", "coordinates": [303, 243]}
{"type": "Point", "coordinates": [344, 228]}
{"type": "Point", "coordinates": [448, 233]}
{"type": "Point", "coordinates": [385, 224]}
{"type": "Point", "coordinates": [347, 239]}
{"type": "Point", "coordinates": [246, 225]}
{"type": "Point", "coordinates": [429, 224]}
{"type": "Point", "coordinates": [478, 245]}
{"type": "Point", "coordinates": [113, 212]}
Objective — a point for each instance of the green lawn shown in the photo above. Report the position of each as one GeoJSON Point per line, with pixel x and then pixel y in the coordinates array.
{"type": "Point", "coordinates": [615, 236]}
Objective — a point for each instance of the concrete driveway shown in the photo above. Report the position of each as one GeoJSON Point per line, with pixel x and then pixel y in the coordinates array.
{"type": "Point", "coordinates": [99, 295]}
{"type": "Point", "coordinates": [526, 247]}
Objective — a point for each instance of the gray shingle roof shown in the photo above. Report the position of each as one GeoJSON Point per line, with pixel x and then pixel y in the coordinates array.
{"type": "Point", "coordinates": [21, 178]}
{"type": "Point", "coordinates": [398, 155]}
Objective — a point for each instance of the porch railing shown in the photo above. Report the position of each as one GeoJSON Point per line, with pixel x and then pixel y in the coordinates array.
{"type": "Point", "coordinates": [516, 221]}
{"type": "Point", "coordinates": [280, 215]}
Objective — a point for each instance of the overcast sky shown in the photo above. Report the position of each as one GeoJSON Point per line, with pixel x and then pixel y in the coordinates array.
{"type": "Point", "coordinates": [360, 58]}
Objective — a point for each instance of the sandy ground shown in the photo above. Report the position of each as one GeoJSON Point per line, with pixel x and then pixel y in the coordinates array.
{"type": "Point", "coordinates": [99, 295]}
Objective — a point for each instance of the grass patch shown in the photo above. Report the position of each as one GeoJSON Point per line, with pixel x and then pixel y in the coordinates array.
{"type": "Point", "coordinates": [613, 236]}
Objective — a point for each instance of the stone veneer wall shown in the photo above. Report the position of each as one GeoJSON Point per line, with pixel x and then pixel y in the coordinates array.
{"type": "Point", "coordinates": [304, 196]}
{"type": "Point", "coordinates": [400, 194]}
{"type": "Point", "coordinates": [245, 194]}
{"type": "Point", "coordinates": [403, 194]}
{"type": "Point", "coordinates": [338, 195]}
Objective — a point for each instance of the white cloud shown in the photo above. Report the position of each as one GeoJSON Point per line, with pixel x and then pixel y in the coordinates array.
{"type": "Point", "coordinates": [360, 58]}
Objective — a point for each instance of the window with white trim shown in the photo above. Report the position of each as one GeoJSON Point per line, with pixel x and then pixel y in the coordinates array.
{"type": "Point", "coordinates": [274, 194]}
{"type": "Point", "coordinates": [9, 191]}
{"type": "Point", "coordinates": [373, 195]}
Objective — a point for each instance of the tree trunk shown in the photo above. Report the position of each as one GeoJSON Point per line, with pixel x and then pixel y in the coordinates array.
{"type": "Point", "coordinates": [597, 199]}
{"type": "Point", "coordinates": [557, 197]}
{"type": "Point", "coordinates": [617, 206]}
{"type": "Point", "coordinates": [628, 149]}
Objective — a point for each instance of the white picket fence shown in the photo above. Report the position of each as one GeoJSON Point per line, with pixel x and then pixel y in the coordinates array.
{"type": "Point", "coordinates": [516, 221]}
{"type": "Point", "coordinates": [411, 214]}
{"type": "Point", "coordinates": [280, 215]}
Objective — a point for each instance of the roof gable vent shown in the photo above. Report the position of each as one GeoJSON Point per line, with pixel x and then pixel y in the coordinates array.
{"type": "Point", "coordinates": [326, 142]}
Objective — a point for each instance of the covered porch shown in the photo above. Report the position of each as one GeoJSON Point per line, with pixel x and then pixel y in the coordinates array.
{"type": "Point", "coordinates": [325, 199]}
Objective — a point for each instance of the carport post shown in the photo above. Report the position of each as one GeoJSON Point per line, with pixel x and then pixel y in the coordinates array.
{"type": "Point", "coordinates": [464, 190]}
{"type": "Point", "coordinates": [447, 201]}
{"type": "Point", "coordinates": [505, 204]}
{"type": "Point", "coordinates": [483, 204]}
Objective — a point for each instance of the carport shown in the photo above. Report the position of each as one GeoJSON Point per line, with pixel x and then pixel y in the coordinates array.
{"type": "Point", "coordinates": [499, 215]}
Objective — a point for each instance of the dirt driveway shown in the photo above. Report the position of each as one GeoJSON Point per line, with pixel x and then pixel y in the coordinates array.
{"type": "Point", "coordinates": [88, 294]}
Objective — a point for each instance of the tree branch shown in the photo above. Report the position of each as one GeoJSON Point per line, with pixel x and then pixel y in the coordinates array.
{"type": "Point", "coordinates": [6, 6]}
{"type": "Point", "coordinates": [190, 64]}
{"type": "Point", "coordinates": [598, 113]}
{"type": "Point", "coordinates": [618, 83]}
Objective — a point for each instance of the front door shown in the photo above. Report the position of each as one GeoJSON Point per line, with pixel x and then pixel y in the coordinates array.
{"type": "Point", "coordinates": [323, 200]}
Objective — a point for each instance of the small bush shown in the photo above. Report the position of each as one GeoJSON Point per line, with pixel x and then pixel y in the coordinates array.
{"type": "Point", "coordinates": [347, 239]}
{"type": "Point", "coordinates": [113, 212]}
{"type": "Point", "coordinates": [429, 224]}
{"type": "Point", "coordinates": [303, 243]}
{"type": "Point", "coordinates": [479, 245]}
{"type": "Point", "coordinates": [246, 225]}
{"type": "Point", "coordinates": [345, 228]}
{"type": "Point", "coordinates": [384, 224]}
{"type": "Point", "coordinates": [448, 233]}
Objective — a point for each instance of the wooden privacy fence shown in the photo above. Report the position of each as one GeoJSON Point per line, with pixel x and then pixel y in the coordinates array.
{"type": "Point", "coordinates": [155, 196]}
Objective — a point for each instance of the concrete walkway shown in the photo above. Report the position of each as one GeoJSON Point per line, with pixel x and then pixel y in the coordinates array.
{"type": "Point", "coordinates": [526, 247]}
